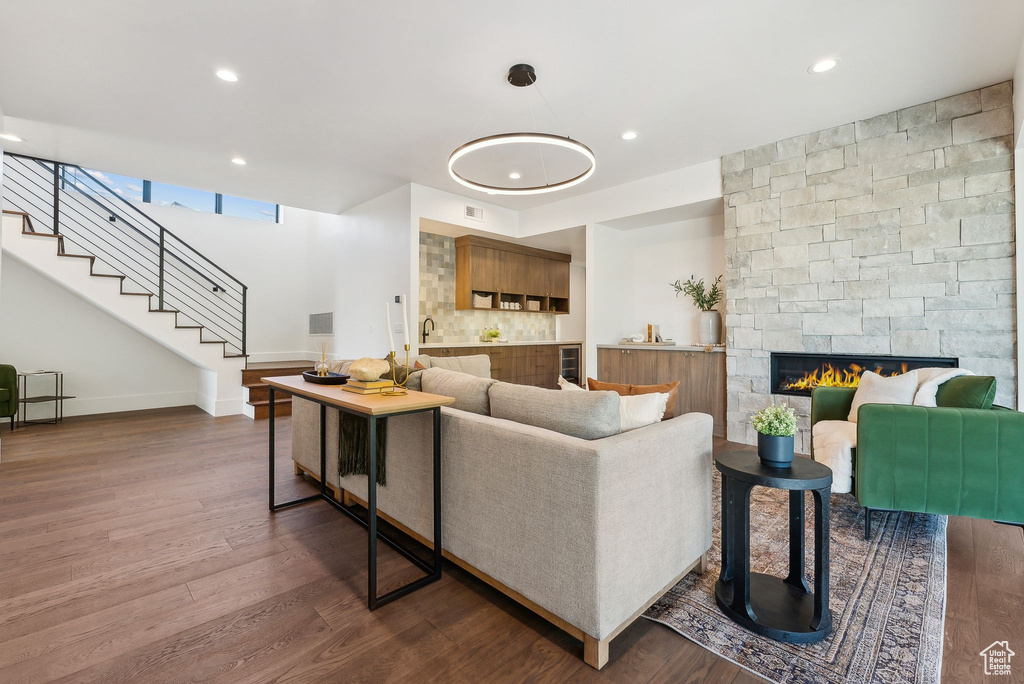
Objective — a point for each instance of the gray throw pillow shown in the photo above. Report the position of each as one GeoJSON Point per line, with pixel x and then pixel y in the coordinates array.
{"type": "Point", "coordinates": [469, 391]}
{"type": "Point", "coordinates": [587, 415]}
{"type": "Point", "coordinates": [478, 364]}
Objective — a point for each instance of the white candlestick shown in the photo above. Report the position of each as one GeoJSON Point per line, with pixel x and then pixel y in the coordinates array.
{"type": "Point", "coordinates": [391, 340]}
{"type": "Point", "coordinates": [405, 319]}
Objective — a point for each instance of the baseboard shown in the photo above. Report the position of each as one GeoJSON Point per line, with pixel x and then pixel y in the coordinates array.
{"type": "Point", "coordinates": [87, 406]}
{"type": "Point", "coordinates": [222, 407]}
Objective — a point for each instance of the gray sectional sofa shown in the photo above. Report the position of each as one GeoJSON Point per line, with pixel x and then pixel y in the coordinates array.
{"type": "Point", "coordinates": [585, 532]}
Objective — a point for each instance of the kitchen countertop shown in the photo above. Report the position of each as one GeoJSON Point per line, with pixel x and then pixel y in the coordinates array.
{"type": "Point", "coordinates": [439, 345]}
{"type": "Point", "coordinates": [678, 347]}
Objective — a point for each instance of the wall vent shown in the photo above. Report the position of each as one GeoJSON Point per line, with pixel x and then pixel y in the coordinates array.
{"type": "Point", "coordinates": [475, 213]}
{"type": "Point", "coordinates": [321, 323]}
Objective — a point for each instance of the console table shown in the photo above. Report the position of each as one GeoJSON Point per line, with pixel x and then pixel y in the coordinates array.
{"type": "Point", "coordinates": [781, 609]}
{"type": "Point", "coordinates": [372, 407]}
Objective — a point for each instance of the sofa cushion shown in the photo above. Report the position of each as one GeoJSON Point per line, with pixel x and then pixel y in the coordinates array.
{"type": "Point", "coordinates": [469, 391]}
{"type": "Point", "coordinates": [671, 388]}
{"type": "Point", "coordinates": [478, 365]}
{"type": "Point", "coordinates": [874, 389]}
{"type": "Point", "coordinates": [4, 393]}
{"type": "Point", "coordinates": [587, 415]}
{"type": "Point", "coordinates": [968, 391]}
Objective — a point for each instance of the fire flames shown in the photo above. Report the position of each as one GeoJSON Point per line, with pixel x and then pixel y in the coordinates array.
{"type": "Point", "coordinates": [831, 376]}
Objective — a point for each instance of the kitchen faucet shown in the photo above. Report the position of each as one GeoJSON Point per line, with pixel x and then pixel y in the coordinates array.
{"type": "Point", "coordinates": [425, 333]}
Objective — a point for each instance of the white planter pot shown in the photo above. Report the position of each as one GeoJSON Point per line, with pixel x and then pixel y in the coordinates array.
{"type": "Point", "coordinates": [710, 327]}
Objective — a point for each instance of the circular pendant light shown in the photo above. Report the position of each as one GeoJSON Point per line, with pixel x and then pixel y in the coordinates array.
{"type": "Point", "coordinates": [522, 75]}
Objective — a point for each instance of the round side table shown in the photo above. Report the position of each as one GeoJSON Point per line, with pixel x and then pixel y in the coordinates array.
{"type": "Point", "coordinates": [781, 609]}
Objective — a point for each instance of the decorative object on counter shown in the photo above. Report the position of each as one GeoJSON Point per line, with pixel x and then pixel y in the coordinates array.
{"type": "Point", "coordinates": [775, 425]}
{"type": "Point", "coordinates": [481, 301]}
{"type": "Point", "coordinates": [533, 305]}
{"type": "Point", "coordinates": [492, 334]}
{"type": "Point", "coordinates": [710, 325]}
{"type": "Point", "coordinates": [322, 367]}
{"type": "Point", "coordinates": [367, 369]}
{"type": "Point", "coordinates": [653, 333]}
{"type": "Point", "coordinates": [634, 342]}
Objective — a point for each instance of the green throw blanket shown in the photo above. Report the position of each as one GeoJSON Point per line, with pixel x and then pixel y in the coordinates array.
{"type": "Point", "coordinates": [352, 436]}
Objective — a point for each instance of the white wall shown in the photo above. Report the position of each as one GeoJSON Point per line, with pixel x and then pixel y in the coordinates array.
{"type": "Point", "coordinates": [107, 365]}
{"type": "Point", "coordinates": [634, 269]}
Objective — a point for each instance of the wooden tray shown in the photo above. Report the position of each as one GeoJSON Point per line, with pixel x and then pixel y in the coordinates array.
{"type": "Point", "coordinates": [331, 379]}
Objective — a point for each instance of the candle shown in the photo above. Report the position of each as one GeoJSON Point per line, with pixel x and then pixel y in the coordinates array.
{"type": "Point", "coordinates": [405, 320]}
{"type": "Point", "coordinates": [391, 340]}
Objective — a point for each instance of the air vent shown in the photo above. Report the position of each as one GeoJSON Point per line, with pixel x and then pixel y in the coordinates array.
{"type": "Point", "coordinates": [475, 213]}
{"type": "Point", "coordinates": [321, 324]}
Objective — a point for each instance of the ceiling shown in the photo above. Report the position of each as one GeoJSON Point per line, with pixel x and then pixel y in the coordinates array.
{"type": "Point", "coordinates": [339, 102]}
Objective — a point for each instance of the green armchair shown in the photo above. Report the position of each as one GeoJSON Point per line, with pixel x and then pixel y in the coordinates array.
{"type": "Point", "coordinates": [951, 461]}
{"type": "Point", "coordinates": [8, 393]}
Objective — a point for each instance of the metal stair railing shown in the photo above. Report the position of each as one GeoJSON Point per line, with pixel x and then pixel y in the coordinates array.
{"type": "Point", "coordinates": [93, 218]}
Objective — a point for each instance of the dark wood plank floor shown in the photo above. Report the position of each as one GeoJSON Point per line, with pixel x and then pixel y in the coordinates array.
{"type": "Point", "coordinates": [137, 547]}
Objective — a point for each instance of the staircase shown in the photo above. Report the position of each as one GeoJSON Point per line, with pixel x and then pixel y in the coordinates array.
{"type": "Point", "coordinates": [257, 399]}
{"type": "Point", "coordinates": [68, 225]}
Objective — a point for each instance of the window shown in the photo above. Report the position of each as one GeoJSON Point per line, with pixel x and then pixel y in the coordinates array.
{"type": "Point", "coordinates": [248, 209]}
{"type": "Point", "coordinates": [177, 196]}
{"type": "Point", "coordinates": [106, 184]}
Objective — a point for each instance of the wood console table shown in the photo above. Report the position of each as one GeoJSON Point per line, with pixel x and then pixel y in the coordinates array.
{"type": "Point", "coordinates": [372, 407]}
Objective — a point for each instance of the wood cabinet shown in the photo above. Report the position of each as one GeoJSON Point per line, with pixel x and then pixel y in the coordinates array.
{"type": "Point", "coordinates": [701, 376]}
{"type": "Point", "coordinates": [538, 365]}
{"type": "Point", "coordinates": [511, 273]}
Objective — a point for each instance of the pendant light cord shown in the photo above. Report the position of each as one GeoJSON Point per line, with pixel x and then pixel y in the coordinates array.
{"type": "Point", "coordinates": [540, 149]}
{"type": "Point", "coordinates": [557, 120]}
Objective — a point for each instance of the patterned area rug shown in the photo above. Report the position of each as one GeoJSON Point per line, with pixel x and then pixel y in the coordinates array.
{"type": "Point", "coordinates": [887, 596]}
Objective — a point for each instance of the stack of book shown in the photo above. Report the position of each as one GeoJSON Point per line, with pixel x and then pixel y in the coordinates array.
{"type": "Point", "coordinates": [372, 387]}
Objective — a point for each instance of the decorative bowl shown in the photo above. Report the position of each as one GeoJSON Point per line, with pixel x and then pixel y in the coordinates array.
{"type": "Point", "coordinates": [329, 379]}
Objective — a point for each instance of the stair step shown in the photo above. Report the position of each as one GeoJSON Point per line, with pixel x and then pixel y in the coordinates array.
{"type": "Point", "coordinates": [282, 407]}
{"type": "Point", "coordinates": [251, 375]}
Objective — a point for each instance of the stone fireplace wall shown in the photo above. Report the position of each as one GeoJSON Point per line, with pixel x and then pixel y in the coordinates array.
{"type": "Point", "coordinates": [891, 235]}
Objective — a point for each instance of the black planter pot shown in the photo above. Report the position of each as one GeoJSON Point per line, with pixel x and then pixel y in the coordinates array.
{"type": "Point", "coordinates": [775, 452]}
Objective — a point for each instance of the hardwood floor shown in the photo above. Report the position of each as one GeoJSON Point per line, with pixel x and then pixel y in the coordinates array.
{"type": "Point", "coordinates": [137, 547]}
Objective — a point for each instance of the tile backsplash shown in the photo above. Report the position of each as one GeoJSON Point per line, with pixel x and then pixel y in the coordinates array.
{"type": "Point", "coordinates": [437, 300]}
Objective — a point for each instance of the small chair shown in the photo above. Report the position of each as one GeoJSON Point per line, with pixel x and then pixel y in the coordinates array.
{"type": "Point", "coordinates": [8, 393]}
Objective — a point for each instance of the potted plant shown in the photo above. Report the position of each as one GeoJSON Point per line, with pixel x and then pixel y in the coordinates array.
{"type": "Point", "coordinates": [710, 327]}
{"type": "Point", "coordinates": [775, 427]}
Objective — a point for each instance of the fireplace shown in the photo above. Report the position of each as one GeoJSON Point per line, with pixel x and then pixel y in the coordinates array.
{"type": "Point", "coordinates": [798, 374]}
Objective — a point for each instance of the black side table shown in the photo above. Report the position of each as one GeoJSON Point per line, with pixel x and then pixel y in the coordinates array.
{"type": "Point", "coordinates": [781, 609]}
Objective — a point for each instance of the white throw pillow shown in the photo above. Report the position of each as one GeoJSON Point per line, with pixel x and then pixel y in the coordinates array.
{"type": "Point", "coordinates": [874, 389]}
{"type": "Point", "coordinates": [639, 410]}
{"type": "Point", "coordinates": [928, 381]}
{"type": "Point", "coordinates": [566, 385]}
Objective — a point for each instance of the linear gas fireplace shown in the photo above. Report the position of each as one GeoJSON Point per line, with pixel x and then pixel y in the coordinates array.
{"type": "Point", "coordinates": [798, 374]}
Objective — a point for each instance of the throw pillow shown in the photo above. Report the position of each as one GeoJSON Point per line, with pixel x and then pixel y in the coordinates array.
{"type": "Point", "coordinates": [874, 389]}
{"type": "Point", "coordinates": [671, 388]}
{"type": "Point", "coordinates": [929, 380]}
{"type": "Point", "coordinates": [640, 410]}
{"type": "Point", "coordinates": [470, 392]}
{"type": "Point", "coordinates": [570, 386]}
{"type": "Point", "coordinates": [598, 386]}
{"type": "Point", "coordinates": [478, 364]}
{"type": "Point", "coordinates": [968, 391]}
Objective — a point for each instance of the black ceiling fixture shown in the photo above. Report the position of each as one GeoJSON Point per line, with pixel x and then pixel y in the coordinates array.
{"type": "Point", "coordinates": [522, 75]}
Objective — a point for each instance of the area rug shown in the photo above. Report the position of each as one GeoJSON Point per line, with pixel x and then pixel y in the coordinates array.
{"type": "Point", "coordinates": [887, 596]}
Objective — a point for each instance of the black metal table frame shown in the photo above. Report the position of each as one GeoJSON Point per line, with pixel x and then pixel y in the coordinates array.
{"type": "Point", "coordinates": [434, 571]}
{"type": "Point", "coordinates": [736, 556]}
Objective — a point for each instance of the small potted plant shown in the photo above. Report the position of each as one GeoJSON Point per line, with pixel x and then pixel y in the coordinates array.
{"type": "Point", "coordinates": [775, 427]}
{"type": "Point", "coordinates": [710, 327]}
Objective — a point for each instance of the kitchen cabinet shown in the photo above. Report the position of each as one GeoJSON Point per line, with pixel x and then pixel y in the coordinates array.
{"type": "Point", "coordinates": [510, 273]}
{"type": "Point", "coordinates": [701, 376]}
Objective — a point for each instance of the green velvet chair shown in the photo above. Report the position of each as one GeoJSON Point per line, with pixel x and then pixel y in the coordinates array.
{"type": "Point", "coordinates": [8, 393]}
{"type": "Point", "coordinates": [950, 461]}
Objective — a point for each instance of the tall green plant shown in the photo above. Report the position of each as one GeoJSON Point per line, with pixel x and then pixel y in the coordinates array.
{"type": "Point", "coordinates": [703, 299]}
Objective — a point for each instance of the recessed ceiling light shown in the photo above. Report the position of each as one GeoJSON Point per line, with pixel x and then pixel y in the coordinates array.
{"type": "Point", "coordinates": [239, 161]}
{"type": "Point", "coordinates": [514, 175]}
{"type": "Point", "coordinates": [227, 75]}
{"type": "Point", "coordinates": [11, 137]}
{"type": "Point", "coordinates": [824, 65]}
{"type": "Point", "coordinates": [629, 135]}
